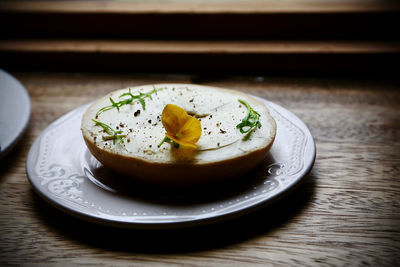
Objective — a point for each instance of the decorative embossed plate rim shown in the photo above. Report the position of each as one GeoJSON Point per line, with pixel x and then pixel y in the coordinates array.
{"type": "Point", "coordinates": [62, 172]}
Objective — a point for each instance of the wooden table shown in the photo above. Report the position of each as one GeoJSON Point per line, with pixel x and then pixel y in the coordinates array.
{"type": "Point", "coordinates": [346, 212]}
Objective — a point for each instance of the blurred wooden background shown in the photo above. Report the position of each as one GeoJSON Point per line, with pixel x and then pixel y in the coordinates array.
{"type": "Point", "coordinates": [268, 37]}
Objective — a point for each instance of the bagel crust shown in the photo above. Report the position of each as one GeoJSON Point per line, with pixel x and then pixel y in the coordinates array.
{"type": "Point", "coordinates": [222, 151]}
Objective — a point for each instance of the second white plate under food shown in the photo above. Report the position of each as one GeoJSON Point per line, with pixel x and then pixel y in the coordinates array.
{"type": "Point", "coordinates": [63, 172]}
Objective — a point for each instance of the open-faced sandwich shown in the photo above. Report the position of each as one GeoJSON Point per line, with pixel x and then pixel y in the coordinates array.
{"type": "Point", "coordinates": [178, 134]}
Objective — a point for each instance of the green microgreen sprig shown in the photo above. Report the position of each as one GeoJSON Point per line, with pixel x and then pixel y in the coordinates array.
{"type": "Point", "coordinates": [140, 97]}
{"type": "Point", "coordinates": [113, 133]}
{"type": "Point", "coordinates": [250, 122]}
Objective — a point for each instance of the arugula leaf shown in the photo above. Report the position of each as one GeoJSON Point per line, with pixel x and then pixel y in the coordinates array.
{"type": "Point", "coordinates": [250, 122]}
{"type": "Point", "coordinates": [115, 134]}
{"type": "Point", "coordinates": [140, 97]}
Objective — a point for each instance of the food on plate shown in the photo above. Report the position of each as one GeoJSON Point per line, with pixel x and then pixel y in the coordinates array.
{"type": "Point", "coordinates": [177, 133]}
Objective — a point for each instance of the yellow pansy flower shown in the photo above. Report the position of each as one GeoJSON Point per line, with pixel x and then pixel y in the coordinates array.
{"type": "Point", "coordinates": [181, 128]}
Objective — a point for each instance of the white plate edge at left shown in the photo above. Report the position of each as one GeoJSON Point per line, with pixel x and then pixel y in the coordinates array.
{"type": "Point", "coordinates": [25, 99]}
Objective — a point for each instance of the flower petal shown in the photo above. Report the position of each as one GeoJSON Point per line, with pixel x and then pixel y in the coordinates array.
{"type": "Point", "coordinates": [181, 127]}
{"type": "Point", "coordinates": [182, 142]}
{"type": "Point", "coordinates": [173, 118]}
{"type": "Point", "coordinates": [191, 131]}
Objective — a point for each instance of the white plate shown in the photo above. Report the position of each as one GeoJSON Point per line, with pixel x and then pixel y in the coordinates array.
{"type": "Point", "coordinates": [15, 110]}
{"type": "Point", "coordinates": [64, 173]}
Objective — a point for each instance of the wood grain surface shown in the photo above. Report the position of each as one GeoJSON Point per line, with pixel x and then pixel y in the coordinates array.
{"type": "Point", "coordinates": [347, 212]}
